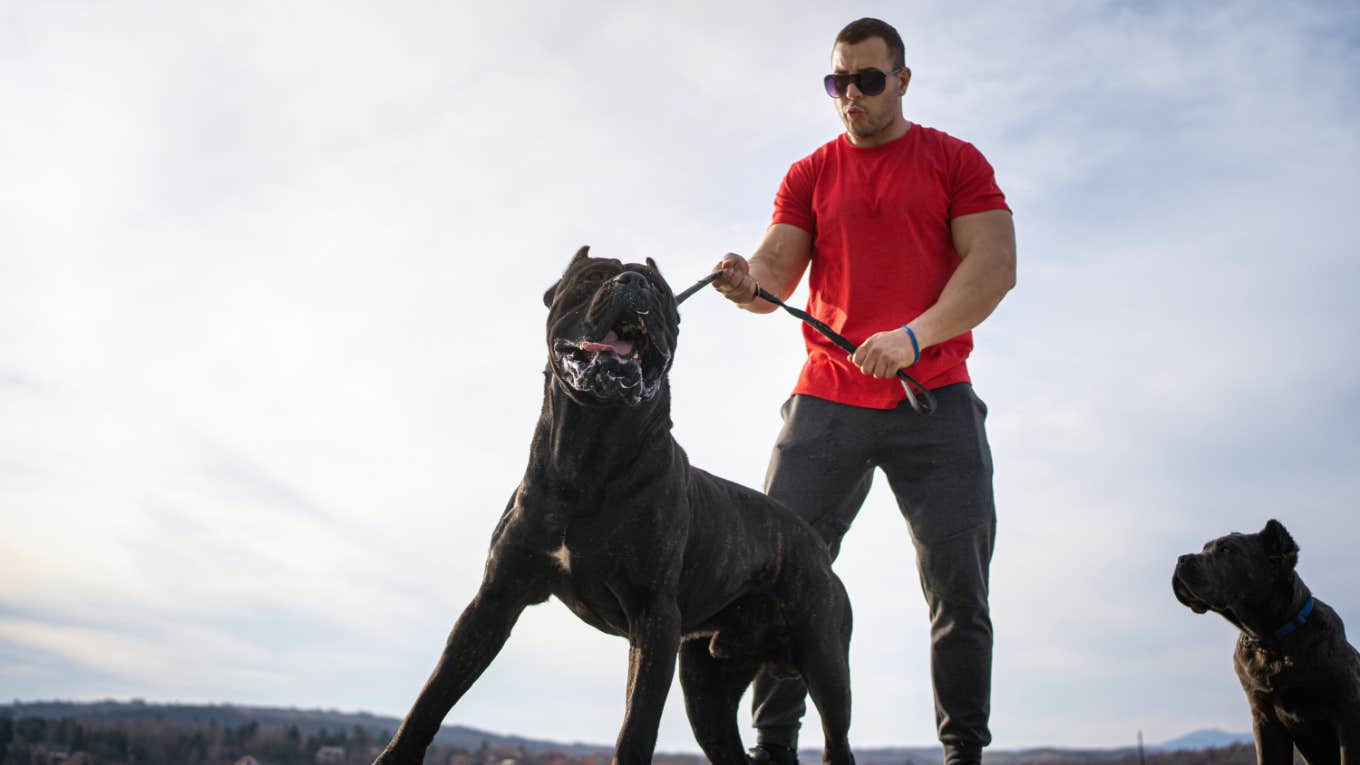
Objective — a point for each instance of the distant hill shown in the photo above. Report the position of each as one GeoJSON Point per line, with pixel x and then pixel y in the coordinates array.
{"type": "Point", "coordinates": [1204, 739]}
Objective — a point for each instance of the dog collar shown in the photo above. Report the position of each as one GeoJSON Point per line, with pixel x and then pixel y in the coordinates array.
{"type": "Point", "coordinates": [1300, 619]}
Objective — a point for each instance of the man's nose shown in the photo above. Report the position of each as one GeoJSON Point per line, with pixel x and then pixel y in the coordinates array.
{"type": "Point", "coordinates": [852, 91]}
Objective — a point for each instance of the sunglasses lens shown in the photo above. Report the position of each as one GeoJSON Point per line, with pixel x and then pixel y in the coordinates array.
{"type": "Point", "coordinates": [871, 81]}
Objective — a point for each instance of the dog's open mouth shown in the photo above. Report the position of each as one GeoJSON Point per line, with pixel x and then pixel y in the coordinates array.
{"type": "Point", "coordinates": [628, 340]}
{"type": "Point", "coordinates": [622, 365]}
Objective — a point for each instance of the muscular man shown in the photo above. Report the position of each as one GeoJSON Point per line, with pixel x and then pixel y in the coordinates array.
{"type": "Point", "coordinates": [911, 245]}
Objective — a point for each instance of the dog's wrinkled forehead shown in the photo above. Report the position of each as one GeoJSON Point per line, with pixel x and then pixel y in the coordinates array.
{"type": "Point", "coordinates": [1230, 544]}
{"type": "Point", "coordinates": [585, 274]}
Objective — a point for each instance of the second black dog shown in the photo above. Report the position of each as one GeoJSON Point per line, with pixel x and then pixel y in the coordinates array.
{"type": "Point", "coordinates": [612, 519]}
{"type": "Point", "coordinates": [1301, 677]}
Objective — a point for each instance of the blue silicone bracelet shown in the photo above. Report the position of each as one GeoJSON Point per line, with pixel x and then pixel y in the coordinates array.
{"type": "Point", "coordinates": [915, 346]}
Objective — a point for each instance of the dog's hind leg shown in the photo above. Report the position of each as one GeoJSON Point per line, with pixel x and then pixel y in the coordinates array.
{"type": "Point", "coordinates": [713, 690]}
{"type": "Point", "coordinates": [822, 654]}
{"type": "Point", "coordinates": [477, 637]}
{"type": "Point", "coordinates": [827, 677]}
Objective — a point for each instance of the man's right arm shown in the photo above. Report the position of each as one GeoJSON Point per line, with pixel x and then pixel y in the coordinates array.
{"type": "Point", "coordinates": [777, 265]}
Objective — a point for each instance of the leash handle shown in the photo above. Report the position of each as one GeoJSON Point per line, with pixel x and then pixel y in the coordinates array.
{"type": "Point", "coordinates": [925, 404]}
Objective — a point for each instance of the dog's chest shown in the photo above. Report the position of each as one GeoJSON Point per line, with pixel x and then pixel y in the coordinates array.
{"type": "Point", "coordinates": [1267, 671]}
{"type": "Point", "coordinates": [587, 589]}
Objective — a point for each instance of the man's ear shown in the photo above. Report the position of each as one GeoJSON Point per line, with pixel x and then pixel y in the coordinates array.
{"type": "Point", "coordinates": [1280, 547]}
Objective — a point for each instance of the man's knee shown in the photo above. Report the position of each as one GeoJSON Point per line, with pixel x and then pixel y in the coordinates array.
{"type": "Point", "coordinates": [956, 570]}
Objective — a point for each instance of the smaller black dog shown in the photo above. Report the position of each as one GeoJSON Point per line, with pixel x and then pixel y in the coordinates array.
{"type": "Point", "coordinates": [1301, 677]}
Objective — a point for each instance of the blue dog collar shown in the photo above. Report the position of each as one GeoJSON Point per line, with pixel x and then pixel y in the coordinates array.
{"type": "Point", "coordinates": [1298, 621]}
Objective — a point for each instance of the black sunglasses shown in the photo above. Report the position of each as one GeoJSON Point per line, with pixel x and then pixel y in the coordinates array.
{"type": "Point", "coordinates": [869, 81]}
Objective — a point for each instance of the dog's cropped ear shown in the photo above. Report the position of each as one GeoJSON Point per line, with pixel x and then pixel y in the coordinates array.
{"type": "Point", "coordinates": [1280, 547]}
{"type": "Point", "coordinates": [580, 255]}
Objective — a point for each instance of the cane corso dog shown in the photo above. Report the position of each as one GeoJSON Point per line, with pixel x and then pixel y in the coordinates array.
{"type": "Point", "coordinates": [1301, 676]}
{"type": "Point", "coordinates": [612, 519]}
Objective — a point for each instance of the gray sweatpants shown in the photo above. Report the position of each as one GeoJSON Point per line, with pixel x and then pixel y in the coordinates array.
{"type": "Point", "coordinates": [940, 470]}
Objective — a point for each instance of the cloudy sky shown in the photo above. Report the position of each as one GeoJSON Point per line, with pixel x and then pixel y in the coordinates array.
{"type": "Point", "coordinates": [270, 332]}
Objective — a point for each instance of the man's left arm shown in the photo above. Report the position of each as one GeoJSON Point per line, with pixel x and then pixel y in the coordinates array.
{"type": "Point", "coordinates": [985, 242]}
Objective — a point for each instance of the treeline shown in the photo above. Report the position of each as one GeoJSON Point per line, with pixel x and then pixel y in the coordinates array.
{"type": "Point", "coordinates": [161, 742]}
{"type": "Point", "coordinates": [67, 741]}
{"type": "Point", "coordinates": [40, 741]}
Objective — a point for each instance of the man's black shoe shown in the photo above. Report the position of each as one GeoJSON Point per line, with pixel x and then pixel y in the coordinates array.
{"type": "Point", "coordinates": [771, 754]}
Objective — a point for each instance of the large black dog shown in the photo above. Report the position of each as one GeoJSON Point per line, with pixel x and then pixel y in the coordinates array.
{"type": "Point", "coordinates": [612, 519]}
{"type": "Point", "coordinates": [1301, 677]}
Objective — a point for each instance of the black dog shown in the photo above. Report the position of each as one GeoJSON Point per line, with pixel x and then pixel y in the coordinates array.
{"type": "Point", "coordinates": [1301, 676]}
{"type": "Point", "coordinates": [612, 519]}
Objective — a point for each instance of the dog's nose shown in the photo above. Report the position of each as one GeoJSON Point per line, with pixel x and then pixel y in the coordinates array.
{"type": "Point", "coordinates": [631, 279]}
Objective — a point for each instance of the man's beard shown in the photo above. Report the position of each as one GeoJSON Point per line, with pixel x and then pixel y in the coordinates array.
{"type": "Point", "coordinates": [866, 128]}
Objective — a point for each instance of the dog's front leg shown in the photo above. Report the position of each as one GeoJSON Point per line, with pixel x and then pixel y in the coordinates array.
{"type": "Point", "coordinates": [477, 637]}
{"type": "Point", "coordinates": [653, 640]}
{"type": "Point", "coordinates": [1349, 734]}
{"type": "Point", "coordinates": [1274, 746]}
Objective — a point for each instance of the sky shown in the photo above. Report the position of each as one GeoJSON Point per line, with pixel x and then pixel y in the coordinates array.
{"type": "Point", "coordinates": [271, 333]}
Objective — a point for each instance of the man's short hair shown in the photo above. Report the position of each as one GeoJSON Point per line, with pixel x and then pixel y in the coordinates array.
{"type": "Point", "coordinates": [862, 29]}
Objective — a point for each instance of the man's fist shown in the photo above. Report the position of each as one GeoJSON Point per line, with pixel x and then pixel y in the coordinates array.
{"type": "Point", "coordinates": [884, 353]}
{"type": "Point", "coordinates": [735, 283]}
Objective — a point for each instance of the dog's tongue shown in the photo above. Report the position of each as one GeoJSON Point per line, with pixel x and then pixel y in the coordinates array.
{"type": "Point", "coordinates": [611, 342]}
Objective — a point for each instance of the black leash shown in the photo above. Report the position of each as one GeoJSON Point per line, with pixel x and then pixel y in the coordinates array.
{"type": "Point", "coordinates": [920, 399]}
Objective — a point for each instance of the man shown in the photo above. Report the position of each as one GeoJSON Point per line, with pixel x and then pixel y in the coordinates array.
{"type": "Point", "coordinates": [911, 245]}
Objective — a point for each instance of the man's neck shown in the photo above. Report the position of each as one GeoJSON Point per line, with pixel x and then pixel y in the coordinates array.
{"type": "Point", "coordinates": [891, 133]}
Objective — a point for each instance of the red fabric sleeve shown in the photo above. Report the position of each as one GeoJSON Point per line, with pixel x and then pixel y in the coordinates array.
{"type": "Point", "coordinates": [973, 184]}
{"type": "Point", "coordinates": [793, 201]}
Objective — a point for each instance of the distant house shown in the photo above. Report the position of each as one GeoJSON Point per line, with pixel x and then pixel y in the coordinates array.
{"type": "Point", "coordinates": [328, 755]}
{"type": "Point", "coordinates": [247, 760]}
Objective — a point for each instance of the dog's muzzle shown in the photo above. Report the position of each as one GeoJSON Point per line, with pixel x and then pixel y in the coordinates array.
{"type": "Point", "coordinates": [1182, 586]}
{"type": "Point", "coordinates": [626, 364]}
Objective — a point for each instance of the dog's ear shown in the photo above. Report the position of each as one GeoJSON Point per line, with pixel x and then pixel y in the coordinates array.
{"type": "Point", "coordinates": [1280, 547]}
{"type": "Point", "coordinates": [580, 255]}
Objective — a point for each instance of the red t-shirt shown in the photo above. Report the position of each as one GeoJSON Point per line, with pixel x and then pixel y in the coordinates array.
{"type": "Point", "coordinates": [882, 251]}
